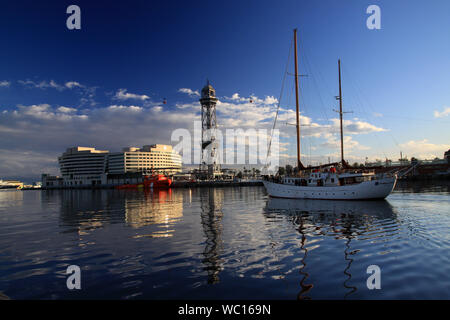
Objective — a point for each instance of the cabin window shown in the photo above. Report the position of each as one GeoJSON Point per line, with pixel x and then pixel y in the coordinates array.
{"type": "Point", "coordinates": [332, 180]}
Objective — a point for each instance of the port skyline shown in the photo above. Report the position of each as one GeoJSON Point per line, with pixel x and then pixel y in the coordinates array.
{"type": "Point", "coordinates": [75, 107]}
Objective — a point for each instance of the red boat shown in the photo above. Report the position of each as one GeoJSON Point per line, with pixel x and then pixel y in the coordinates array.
{"type": "Point", "coordinates": [157, 181]}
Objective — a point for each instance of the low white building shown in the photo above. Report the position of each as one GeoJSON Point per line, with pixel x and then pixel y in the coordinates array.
{"type": "Point", "coordinates": [157, 158]}
{"type": "Point", "coordinates": [82, 166]}
{"type": "Point", "coordinates": [89, 167]}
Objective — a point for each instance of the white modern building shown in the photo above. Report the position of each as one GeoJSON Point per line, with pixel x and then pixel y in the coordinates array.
{"type": "Point", "coordinates": [88, 167]}
{"type": "Point", "coordinates": [157, 158]}
{"type": "Point", "coordinates": [81, 166]}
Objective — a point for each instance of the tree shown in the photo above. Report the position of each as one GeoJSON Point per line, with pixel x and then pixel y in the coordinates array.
{"type": "Point", "coordinates": [239, 175]}
{"type": "Point", "coordinates": [281, 171]}
{"type": "Point", "coordinates": [289, 169]}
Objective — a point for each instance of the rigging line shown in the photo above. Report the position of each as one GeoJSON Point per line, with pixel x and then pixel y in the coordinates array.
{"type": "Point", "coordinates": [321, 78]}
{"type": "Point", "coordinates": [291, 145]}
{"type": "Point", "coordinates": [279, 102]}
{"type": "Point", "coordinates": [310, 68]}
{"type": "Point", "coordinates": [372, 109]}
{"type": "Point", "coordinates": [352, 81]}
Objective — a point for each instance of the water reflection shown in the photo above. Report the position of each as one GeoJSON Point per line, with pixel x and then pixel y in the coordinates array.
{"type": "Point", "coordinates": [424, 186]}
{"type": "Point", "coordinates": [211, 201]}
{"type": "Point", "coordinates": [10, 195]}
{"type": "Point", "coordinates": [305, 288]}
{"type": "Point", "coordinates": [83, 211]}
{"type": "Point", "coordinates": [346, 220]}
{"type": "Point", "coordinates": [157, 207]}
{"type": "Point", "coordinates": [256, 247]}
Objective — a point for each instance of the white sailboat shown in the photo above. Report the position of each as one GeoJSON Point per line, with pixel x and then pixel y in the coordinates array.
{"type": "Point", "coordinates": [336, 181]}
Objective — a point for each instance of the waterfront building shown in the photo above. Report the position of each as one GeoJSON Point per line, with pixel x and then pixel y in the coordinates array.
{"type": "Point", "coordinates": [50, 181]}
{"type": "Point", "coordinates": [157, 158]}
{"type": "Point", "coordinates": [82, 166]}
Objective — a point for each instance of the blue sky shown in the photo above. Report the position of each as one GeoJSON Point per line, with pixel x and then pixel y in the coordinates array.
{"type": "Point", "coordinates": [133, 54]}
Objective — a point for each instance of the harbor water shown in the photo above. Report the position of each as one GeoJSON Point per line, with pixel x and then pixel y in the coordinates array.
{"type": "Point", "coordinates": [224, 243]}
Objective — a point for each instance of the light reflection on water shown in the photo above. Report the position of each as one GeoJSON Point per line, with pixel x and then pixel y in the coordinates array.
{"type": "Point", "coordinates": [223, 243]}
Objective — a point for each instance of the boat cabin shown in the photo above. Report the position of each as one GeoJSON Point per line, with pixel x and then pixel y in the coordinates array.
{"type": "Point", "coordinates": [329, 179]}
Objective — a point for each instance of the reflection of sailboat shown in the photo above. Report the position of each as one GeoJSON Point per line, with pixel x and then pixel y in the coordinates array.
{"type": "Point", "coordinates": [348, 258]}
{"type": "Point", "coordinates": [378, 208]}
{"type": "Point", "coordinates": [211, 216]}
{"type": "Point", "coordinates": [305, 288]}
{"type": "Point", "coordinates": [338, 219]}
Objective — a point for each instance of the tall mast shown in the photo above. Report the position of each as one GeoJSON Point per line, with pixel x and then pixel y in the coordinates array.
{"type": "Point", "coordinates": [340, 113]}
{"type": "Point", "coordinates": [299, 164]}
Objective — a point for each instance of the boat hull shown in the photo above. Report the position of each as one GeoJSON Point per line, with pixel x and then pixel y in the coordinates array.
{"type": "Point", "coordinates": [368, 190]}
{"type": "Point", "coordinates": [154, 182]}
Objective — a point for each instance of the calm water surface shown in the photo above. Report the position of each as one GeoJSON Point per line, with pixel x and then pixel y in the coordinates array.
{"type": "Point", "coordinates": [223, 243]}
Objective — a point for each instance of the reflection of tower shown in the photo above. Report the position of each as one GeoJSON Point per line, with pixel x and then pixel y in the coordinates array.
{"type": "Point", "coordinates": [209, 162]}
{"type": "Point", "coordinates": [211, 216]}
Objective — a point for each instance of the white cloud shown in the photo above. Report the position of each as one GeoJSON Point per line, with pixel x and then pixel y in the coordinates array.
{"type": "Point", "coordinates": [334, 142]}
{"type": "Point", "coordinates": [442, 114]}
{"type": "Point", "coordinates": [125, 108]}
{"type": "Point", "coordinates": [73, 84]}
{"type": "Point", "coordinates": [423, 149]}
{"type": "Point", "coordinates": [5, 83]}
{"type": "Point", "coordinates": [66, 109]}
{"type": "Point", "coordinates": [189, 92]}
{"type": "Point", "coordinates": [268, 100]}
{"type": "Point", "coordinates": [357, 126]}
{"type": "Point", "coordinates": [42, 85]}
{"type": "Point", "coordinates": [112, 127]}
{"type": "Point", "coordinates": [45, 112]}
{"type": "Point", "coordinates": [237, 98]}
{"type": "Point", "coordinates": [50, 84]}
{"type": "Point", "coordinates": [122, 94]}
